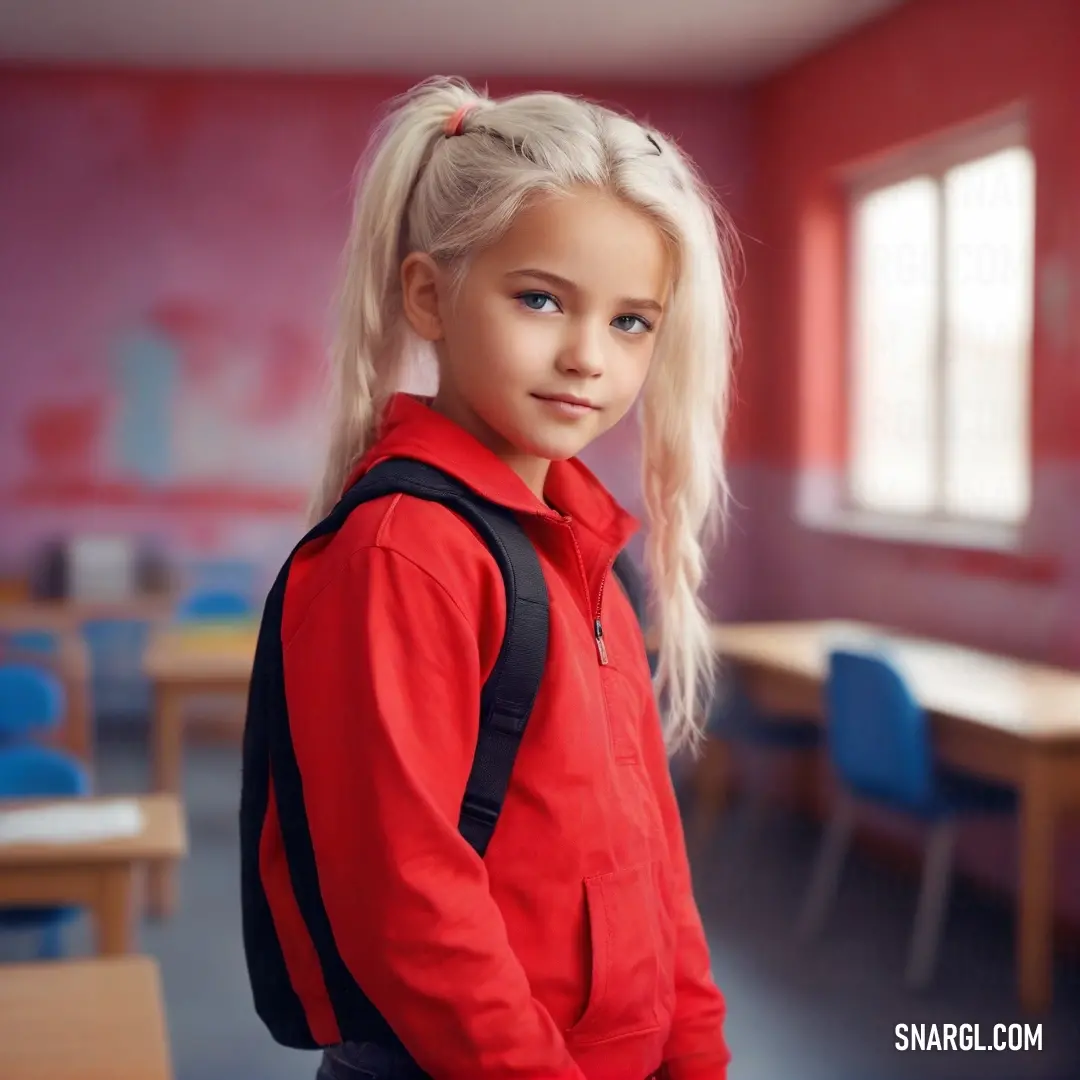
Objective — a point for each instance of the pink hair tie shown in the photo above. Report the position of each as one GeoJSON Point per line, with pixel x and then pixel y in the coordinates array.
{"type": "Point", "coordinates": [453, 125]}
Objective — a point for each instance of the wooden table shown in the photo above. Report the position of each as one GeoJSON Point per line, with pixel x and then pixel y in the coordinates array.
{"type": "Point", "coordinates": [84, 1019]}
{"type": "Point", "coordinates": [69, 616]}
{"type": "Point", "coordinates": [184, 662]}
{"type": "Point", "coordinates": [993, 716]}
{"type": "Point", "coordinates": [101, 875]}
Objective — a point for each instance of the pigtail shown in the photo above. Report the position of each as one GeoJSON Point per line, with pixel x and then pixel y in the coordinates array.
{"type": "Point", "coordinates": [683, 419]}
{"type": "Point", "coordinates": [369, 350]}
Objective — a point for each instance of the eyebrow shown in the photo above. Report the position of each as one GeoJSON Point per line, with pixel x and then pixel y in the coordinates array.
{"type": "Point", "coordinates": [566, 284]}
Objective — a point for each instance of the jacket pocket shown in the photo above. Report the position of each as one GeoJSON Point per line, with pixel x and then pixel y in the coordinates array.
{"type": "Point", "coordinates": [623, 918]}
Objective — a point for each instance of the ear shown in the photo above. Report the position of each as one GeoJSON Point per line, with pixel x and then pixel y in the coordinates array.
{"type": "Point", "coordinates": [421, 288]}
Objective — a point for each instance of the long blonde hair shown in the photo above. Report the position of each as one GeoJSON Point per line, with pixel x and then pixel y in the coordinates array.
{"type": "Point", "coordinates": [420, 190]}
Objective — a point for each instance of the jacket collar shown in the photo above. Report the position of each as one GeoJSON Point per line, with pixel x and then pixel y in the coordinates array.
{"type": "Point", "coordinates": [412, 429]}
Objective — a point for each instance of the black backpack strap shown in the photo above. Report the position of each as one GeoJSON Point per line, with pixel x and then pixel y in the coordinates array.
{"type": "Point", "coordinates": [507, 698]}
{"type": "Point", "coordinates": [633, 583]}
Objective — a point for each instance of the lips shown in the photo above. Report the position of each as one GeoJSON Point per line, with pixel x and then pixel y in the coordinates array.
{"type": "Point", "coordinates": [567, 399]}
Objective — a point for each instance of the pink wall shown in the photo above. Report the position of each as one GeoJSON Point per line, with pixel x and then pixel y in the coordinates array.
{"type": "Point", "coordinates": [169, 258]}
{"type": "Point", "coordinates": [925, 67]}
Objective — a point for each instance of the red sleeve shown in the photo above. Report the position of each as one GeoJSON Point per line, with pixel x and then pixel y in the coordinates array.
{"type": "Point", "coordinates": [383, 682]}
{"type": "Point", "coordinates": [696, 1048]}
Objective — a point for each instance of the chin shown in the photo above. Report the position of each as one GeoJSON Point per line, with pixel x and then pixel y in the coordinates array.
{"type": "Point", "coordinates": [552, 447]}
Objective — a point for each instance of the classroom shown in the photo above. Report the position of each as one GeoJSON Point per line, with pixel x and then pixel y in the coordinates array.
{"type": "Point", "coordinates": [882, 818]}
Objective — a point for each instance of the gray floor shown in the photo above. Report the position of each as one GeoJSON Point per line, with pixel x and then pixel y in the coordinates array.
{"type": "Point", "coordinates": [825, 1013]}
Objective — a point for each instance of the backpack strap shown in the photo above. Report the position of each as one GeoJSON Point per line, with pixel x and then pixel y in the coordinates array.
{"type": "Point", "coordinates": [633, 584]}
{"type": "Point", "coordinates": [508, 696]}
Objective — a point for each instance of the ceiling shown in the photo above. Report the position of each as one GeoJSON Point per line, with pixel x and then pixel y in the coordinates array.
{"type": "Point", "coordinates": [722, 40]}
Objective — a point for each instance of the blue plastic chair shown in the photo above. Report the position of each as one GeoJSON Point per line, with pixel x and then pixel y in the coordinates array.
{"type": "Point", "coordinates": [28, 772]}
{"type": "Point", "coordinates": [215, 605]}
{"type": "Point", "coordinates": [44, 642]}
{"type": "Point", "coordinates": [736, 722]}
{"type": "Point", "coordinates": [881, 752]}
{"type": "Point", "coordinates": [736, 718]}
{"type": "Point", "coordinates": [221, 574]}
{"type": "Point", "coordinates": [119, 687]}
{"type": "Point", "coordinates": [32, 701]}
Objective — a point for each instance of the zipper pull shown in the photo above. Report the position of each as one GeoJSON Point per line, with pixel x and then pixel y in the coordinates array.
{"type": "Point", "coordinates": [601, 648]}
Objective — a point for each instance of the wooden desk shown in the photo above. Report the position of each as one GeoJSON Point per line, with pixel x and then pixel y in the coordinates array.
{"type": "Point", "coordinates": [69, 616]}
{"type": "Point", "coordinates": [100, 875]}
{"type": "Point", "coordinates": [83, 1019]}
{"type": "Point", "coordinates": [184, 662]}
{"type": "Point", "coordinates": [995, 717]}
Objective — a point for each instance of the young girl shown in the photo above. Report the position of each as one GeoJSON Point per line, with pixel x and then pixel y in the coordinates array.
{"type": "Point", "coordinates": [562, 263]}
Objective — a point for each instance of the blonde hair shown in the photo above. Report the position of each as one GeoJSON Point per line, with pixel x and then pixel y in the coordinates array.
{"type": "Point", "coordinates": [423, 190]}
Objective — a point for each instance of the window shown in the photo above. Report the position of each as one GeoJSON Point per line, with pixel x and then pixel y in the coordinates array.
{"type": "Point", "coordinates": [941, 321]}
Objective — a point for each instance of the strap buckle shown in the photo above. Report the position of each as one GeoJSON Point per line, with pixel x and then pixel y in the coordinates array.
{"type": "Point", "coordinates": [480, 809]}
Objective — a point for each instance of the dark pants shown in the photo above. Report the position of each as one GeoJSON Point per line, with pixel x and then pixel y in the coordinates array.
{"type": "Point", "coordinates": [366, 1061]}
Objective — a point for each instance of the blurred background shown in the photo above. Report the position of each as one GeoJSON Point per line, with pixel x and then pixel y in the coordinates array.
{"type": "Point", "coordinates": [905, 179]}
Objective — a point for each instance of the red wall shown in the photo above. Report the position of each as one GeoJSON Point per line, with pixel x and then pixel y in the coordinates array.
{"type": "Point", "coordinates": [192, 224]}
{"type": "Point", "coordinates": [917, 72]}
{"type": "Point", "coordinates": [926, 68]}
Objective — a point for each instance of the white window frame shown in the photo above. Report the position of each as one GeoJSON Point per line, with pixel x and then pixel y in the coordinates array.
{"type": "Point", "coordinates": [931, 159]}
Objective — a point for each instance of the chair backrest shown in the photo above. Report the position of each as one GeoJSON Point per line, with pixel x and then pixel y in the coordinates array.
{"type": "Point", "coordinates": [29, 771]}
{"type": "Point", "coordinates": [30, 640]}
{"type": "Point", "coordinates": [216, 604]}
{"type": "Point", "coordinates": [879, 740]}
{"type": "Point", "coordinates": [119, 684]}
{"type": "Point", "coordinates": [31, 700]}
{"type": "Point", "coordinates": [732, 713]}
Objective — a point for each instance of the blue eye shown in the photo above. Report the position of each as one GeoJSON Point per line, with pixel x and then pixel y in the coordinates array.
{"type": "Point", "coordinates": [535, 301]}
{"type": "Point", "coordinates": [631, 324]}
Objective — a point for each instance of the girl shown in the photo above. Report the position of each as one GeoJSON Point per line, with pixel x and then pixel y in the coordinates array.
{"type": "Point", "coordinates": [562, 263]}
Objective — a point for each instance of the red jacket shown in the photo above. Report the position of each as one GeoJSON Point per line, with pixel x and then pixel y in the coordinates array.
{"type": "Point", "coordinates": [574, 948]}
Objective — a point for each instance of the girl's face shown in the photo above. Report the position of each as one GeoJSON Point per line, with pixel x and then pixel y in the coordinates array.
{"type": "Point", "coordinates": [547, 343]}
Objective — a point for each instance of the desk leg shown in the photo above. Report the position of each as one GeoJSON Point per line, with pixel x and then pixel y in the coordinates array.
{"type": "Point", "coordinates": [1035, 930]}
{"type": "Point", "coordinates": [79, 738]}
{"type": "Point", "coordinates": [114, 911]}
{"type": "Point", "coordinates": [168, 776]}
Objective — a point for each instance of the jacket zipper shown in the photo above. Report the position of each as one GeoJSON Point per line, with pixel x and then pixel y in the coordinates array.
{"type": "Point", "coordinates": [598, 626]}
{"type": "Point", "coordinates": [601, 648]}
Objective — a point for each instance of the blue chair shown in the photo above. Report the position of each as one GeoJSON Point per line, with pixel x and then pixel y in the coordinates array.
{"type": "Point", "coordinates": [42, 642]}
{"type": "Point", "coordinates": [215, 605]}
{"type": "Point", "coordinates": [119, 687]}
{"type": "Point", "coordinates": [228, 574]}
{"type": "Point", "coordinates": [28, 772]}
{"type": "Point", "coordinates": [881, 752]}
{"type": "Point", "coordinates": [32, 701]}
{"type": "Point", "coordinates": [735, 722]}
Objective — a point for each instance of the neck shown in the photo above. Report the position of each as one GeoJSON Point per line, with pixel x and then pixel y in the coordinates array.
{"type": "Point", "coordinates": [532, 470]}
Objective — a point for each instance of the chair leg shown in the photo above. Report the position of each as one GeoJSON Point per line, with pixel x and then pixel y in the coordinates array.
{"type": "Point", "coordinates": [828, 869]}
{"type": "Point", "coordinates": [933, 904]}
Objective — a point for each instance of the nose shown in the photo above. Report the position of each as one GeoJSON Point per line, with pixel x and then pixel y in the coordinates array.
{"type": "Point", "coordinates": [582, 351]}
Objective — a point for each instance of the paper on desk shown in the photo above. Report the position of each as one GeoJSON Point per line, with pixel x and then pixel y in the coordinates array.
{"type": "Point", "coordinates": [75, 822]}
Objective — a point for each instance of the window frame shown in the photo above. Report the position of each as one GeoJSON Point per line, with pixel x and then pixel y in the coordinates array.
{"type": "Point", "coordinates": [932, 158]}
